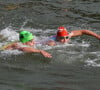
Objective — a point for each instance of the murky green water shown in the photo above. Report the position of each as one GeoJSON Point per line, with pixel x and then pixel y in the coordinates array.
{"type": "Point", "coordinates": [73, 67]}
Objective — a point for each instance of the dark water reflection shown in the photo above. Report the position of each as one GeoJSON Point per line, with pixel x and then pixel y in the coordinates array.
{"type": "Point", "coordinates": [48, 13]}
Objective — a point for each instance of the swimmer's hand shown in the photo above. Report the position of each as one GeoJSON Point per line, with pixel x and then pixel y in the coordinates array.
{"type": "Point", "coordinates": [45, 54]}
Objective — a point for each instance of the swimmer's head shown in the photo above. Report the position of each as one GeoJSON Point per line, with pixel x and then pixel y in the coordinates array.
{"type": "Point", "coordinates": [62, 35]}
{"type": "Point", "coordinates": [25, 36]}
{"type": "Point", "coordinates": [62, 32]}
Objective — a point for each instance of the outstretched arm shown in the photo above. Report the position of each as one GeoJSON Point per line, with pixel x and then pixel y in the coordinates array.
{"type": "Point", "coordinates": [28, 49]}
{"type": "Point", "coordinates": [32, 50]}
{"type": "Point", "coordinates": [82, 32]}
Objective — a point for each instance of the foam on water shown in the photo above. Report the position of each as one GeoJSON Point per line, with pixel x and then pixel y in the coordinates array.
{"type": "Point", "coordinates": [93, 62]}
{"type": "Point", "coordinates": [11, 52]}
{"type": "Point", "coordinates": [9, 34]}
{"type": "Point", "coordinates": [64, 45]}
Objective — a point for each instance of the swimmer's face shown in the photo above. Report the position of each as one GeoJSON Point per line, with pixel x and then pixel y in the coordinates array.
{"type": "Point", "coordinates": [31, 42]}
{"type": "Point", "coordinates": [63, 39]}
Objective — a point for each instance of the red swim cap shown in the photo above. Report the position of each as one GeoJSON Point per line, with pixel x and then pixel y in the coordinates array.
{"type": "Point", "coordinates": [62, 32]}
{"type": "Point", "coordinates": [61, 28]}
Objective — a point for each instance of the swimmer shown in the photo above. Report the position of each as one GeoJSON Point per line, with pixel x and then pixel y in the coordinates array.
{"type": "Point", "coordinates": [26, 44]}
{"type": "Point", "coordinates": [63, 36]}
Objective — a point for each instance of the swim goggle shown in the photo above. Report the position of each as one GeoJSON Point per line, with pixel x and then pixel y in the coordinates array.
{"type": "Point", "coordinates": [64, 37]}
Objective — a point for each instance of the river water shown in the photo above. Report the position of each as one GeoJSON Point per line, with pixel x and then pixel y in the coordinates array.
{"type": "Point", "coordinates": [75, 66]}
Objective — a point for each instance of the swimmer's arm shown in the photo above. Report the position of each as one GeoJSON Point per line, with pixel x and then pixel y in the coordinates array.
{"type": "Point", "coordinates": [32, 50]}
{"type": "Point", "coordinates": [28, 49]}
{"type": "Point", "coordinates": [11, 46]}
{"type": "Point", "coordinates": [83, 32]}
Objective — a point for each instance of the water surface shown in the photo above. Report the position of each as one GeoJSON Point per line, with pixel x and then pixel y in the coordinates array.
{"type": "Point", "coordinates": [75, 66]}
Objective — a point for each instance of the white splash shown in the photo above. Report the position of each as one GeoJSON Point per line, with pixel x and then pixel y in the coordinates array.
{"type": "Point", "coordinates": [9, 34]}
{"type": "Point", "coordinates": [92, 63]}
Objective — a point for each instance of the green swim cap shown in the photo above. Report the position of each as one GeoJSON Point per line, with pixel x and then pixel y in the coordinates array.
{"type": "Point", "coordinates": [25, 36]}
